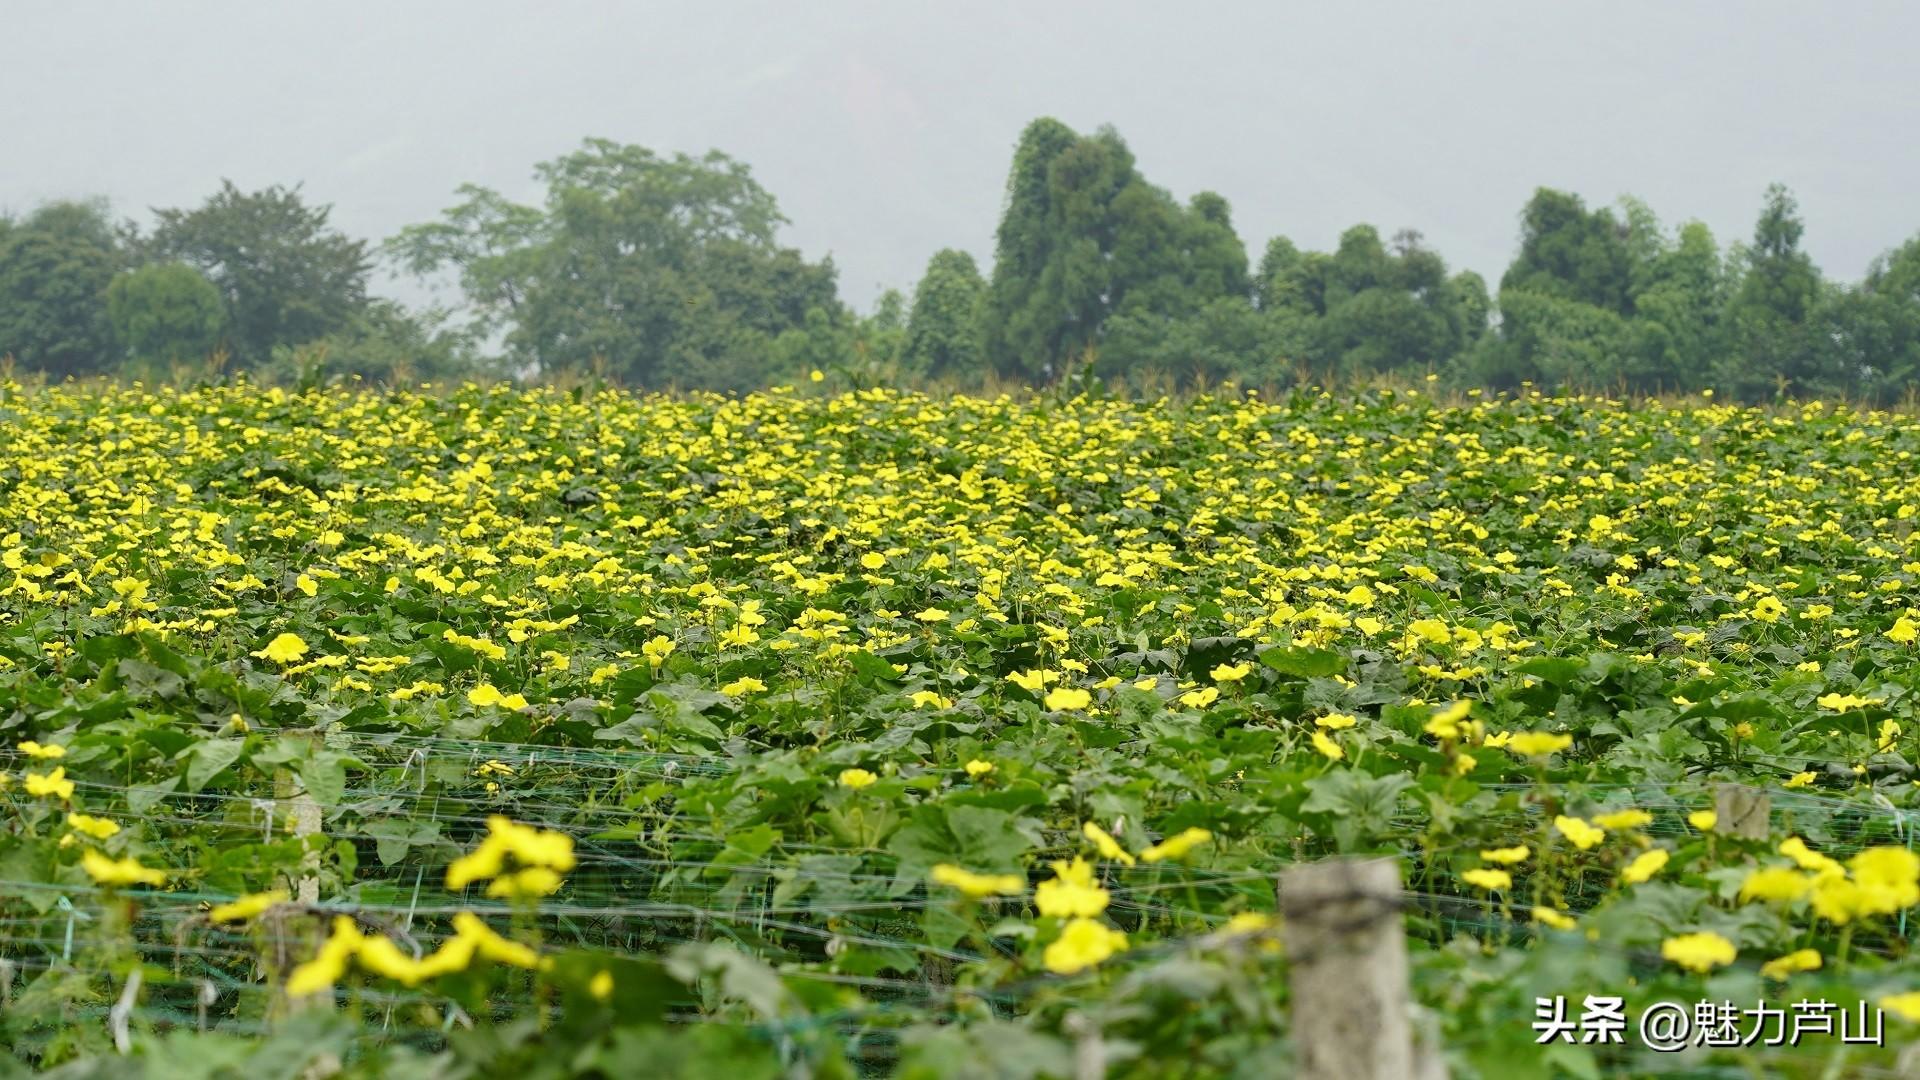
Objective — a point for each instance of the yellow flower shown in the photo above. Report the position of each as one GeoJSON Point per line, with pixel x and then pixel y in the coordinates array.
{"type": "Point", "coordinates": [601, 985]}
{"type": "Point", "coordinates": [1538, 743]}
{"type": "Point", "coordinates": [1838, 900]}
{"type": "Point", "coordinates": [1327, 747]}
{"type": "Point", "coordinates": [978, 885]}
{"type": "Point", "coordinates": [483, 862]}
{"type": "Point", "coordinates": [1068, 698]}
{"type": "Point", "coordinates": [1231, 672]}
{"type": "Point", "coordinates": [284, 649]}
{"type": "Point", "coordinates": [492, 945]}
{"type": "Point", "coordinates": [1559, 920]}
{"type": "Point", "coordinates": [54, 783]}
{"type": "Point", "coordinates": [1201, 698]}
{"type": "Point", "coordinates": [1808, 859]}
{"type": "Point", "coordinates": [1890, 875]}
{"type": "Point", "coordinates": [246, 907]}
{"type": "Point", "coordinates": [35, 750]}
{"type": "Point", "coordinates": [1704, 820]}
{"type": "Point", "coordinates": [306, 584]}
{"type": "Point", "coordinates": [925, 699]}
{"type": "Point", "coordinates": [1488, 879]}
{"type": "Point", "coordinates": [1507, 856]}
{"type": "Point", "coordinates": [1798, 780]}
{"type": "Point", "coordinates": [1445, 724]}
{"type": "Point", "coordinates": [1582, 834]}
{"type": "Point", "coordinates": [534, 881]}
{"type": "Point", "coordinates": [746, 684]}
{"type": "Point", "coordinates": [1082, 944]}
{"type": "Point", "coordinates": [1906, 1006]}
{"type": "Point", "coordinates": [856, 778]}
{"type": "Point", "coordinates": [1176, 846]}
{"type": "Point", "coordinates": [1699, 953]}
{"type": "Point", "coordinates": [1623, 819]}
{"type": "Point", "coordinates": [127, 871]}
{"type": "Point", "coordinates": [657, 649]}
{"type": "Point", "coordinates": [1777, 884]}
{"type": "Point", "coordinates": [1105, 844]}
{"type": "Point", "coordinates": [329, 965]}
{"type": "Point", "coordinates": [933, 615]}
{"type": "Point", "coordinates": [873, 560]}
{"type": "Point", "coordinates": [1071, 891]}
{"type": "Point", "coordinates": [1844, 702]}
{"type": "Point", "coordinates": [98, 828]}
{"type": "Point", "coordinates": [487, 694]}
{"type": "Point", "coordinates": [1337, 721]}
{"type": "Point", "coordinates": [1782, 966]}
{"type": "Point", "coordinates": [978, 768]}
{"type": "Point", "coordinates": [816, 375]}
{"type": "Point", "coordinates": [1904, 631]}
{"type": "Point", "coordinates": [1249, 922]}
{"type": "Point", "coordinates": [1643, 868]}
{"type": "Point", "coordinates": [1034, 680]}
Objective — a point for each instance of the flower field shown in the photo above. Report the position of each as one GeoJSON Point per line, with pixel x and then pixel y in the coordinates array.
{"type": "Point", "coordinates": [529, 732]}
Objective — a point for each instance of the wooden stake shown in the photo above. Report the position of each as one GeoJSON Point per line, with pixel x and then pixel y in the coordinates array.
{"type": "Point", "coordinates": [1347, 960]}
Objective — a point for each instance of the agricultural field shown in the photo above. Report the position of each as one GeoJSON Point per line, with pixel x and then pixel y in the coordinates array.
{"type": "Point", "coordinates": [498, 732]}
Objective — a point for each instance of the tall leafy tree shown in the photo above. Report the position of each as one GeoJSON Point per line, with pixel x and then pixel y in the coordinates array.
{"type": "Point", "coordinates": [1084, 237]}
{"type": "Point", "coordinates": [1872, 331]}
{"type": "Point", "coordinates": [666, 270]}
{"type": "Point", "coordinates": [285, 274]}
{"type": "Point", "coordinates": [1775, 346]}
{"type": "Point", "coordinates": [1569, 252]}
{"type": "Point", "coordinates": [55, 267]}
{"type": "Point", "coordinates": [165, 314]}
{"type": "Point", "coordinates": [943, 326]}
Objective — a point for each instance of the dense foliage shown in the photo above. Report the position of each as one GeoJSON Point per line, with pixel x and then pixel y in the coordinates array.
{"type": "Point", "coordinates": [667, 272]}
{"type": "Point", "coordinates": [818, 731]}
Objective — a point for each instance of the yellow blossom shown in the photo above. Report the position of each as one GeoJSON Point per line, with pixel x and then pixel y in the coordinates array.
{"type": "Point", "coordinates": [1782, 966]}
{"type": "Point", "coordinates": [1538, 743]}
{"type": "Point", "coordinates": [284, 649]}
{"type": "Point", "coordinates": [856, 778]}
{"type": "Point", "coordinates": [1070, 892]}
{"type": "Point", "coordinates": [96, 827]}
{"type": "Point", "coordinates": [53, 784]}
{"type": "Point", "coordinates": [1105, 844]}
{"type": "Point", "coordinates": [1700, 952]}
{"type": "Point", "coordinates": [127, 871]}
{"type": "Point", "coordinates": [978, 885]}
{"type": "Point", "coordinates": [1176, 846]}
{"type": "Point", "coordinates": [1644, 866]}
{"type": "Point", "coordinates": [1488, 879]}
{"type": "Point", "coordinates": [1582, 834]}
{"type": "Point", "coordinates": [1083, 943]}
{"type": "Point", "coordinates": [1231, 672]}
{"type": "Point", "coordinates": [1066, 698]}
{"type": "Point", "coordinates": [246, 907]}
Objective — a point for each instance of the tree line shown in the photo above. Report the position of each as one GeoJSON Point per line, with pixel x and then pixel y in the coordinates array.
{"type": "Point", "coordinates": [666, 271]}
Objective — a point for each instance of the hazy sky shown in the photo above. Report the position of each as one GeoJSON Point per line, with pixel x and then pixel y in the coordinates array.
{"type": "Point", "coordinates": [885, 130]}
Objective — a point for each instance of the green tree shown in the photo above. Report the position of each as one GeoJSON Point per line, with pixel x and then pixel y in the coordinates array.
{"type": "Point", "coordinates": [665, 269]}
{"type": "Point", "coordinates": [285, 274]}
{"type": "Point", "coordinates": [1775, 346]}
{"type": "Point", "coordinates": [55, 267]}
{"type": "Point", "coordinates": [1872, 331]}
{"type": "Point", "coordinates": [1571, 253]}
{"type": "Point", "coordinates": [165, 314]}
{"type": "Point", "coordinates": [943, 326]}
{"type": "Point", "coordinates": [1084, 237]}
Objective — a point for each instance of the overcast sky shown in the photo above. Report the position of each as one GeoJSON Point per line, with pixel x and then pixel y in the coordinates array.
{"type": "Point", "coordinates": [885, 130]}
